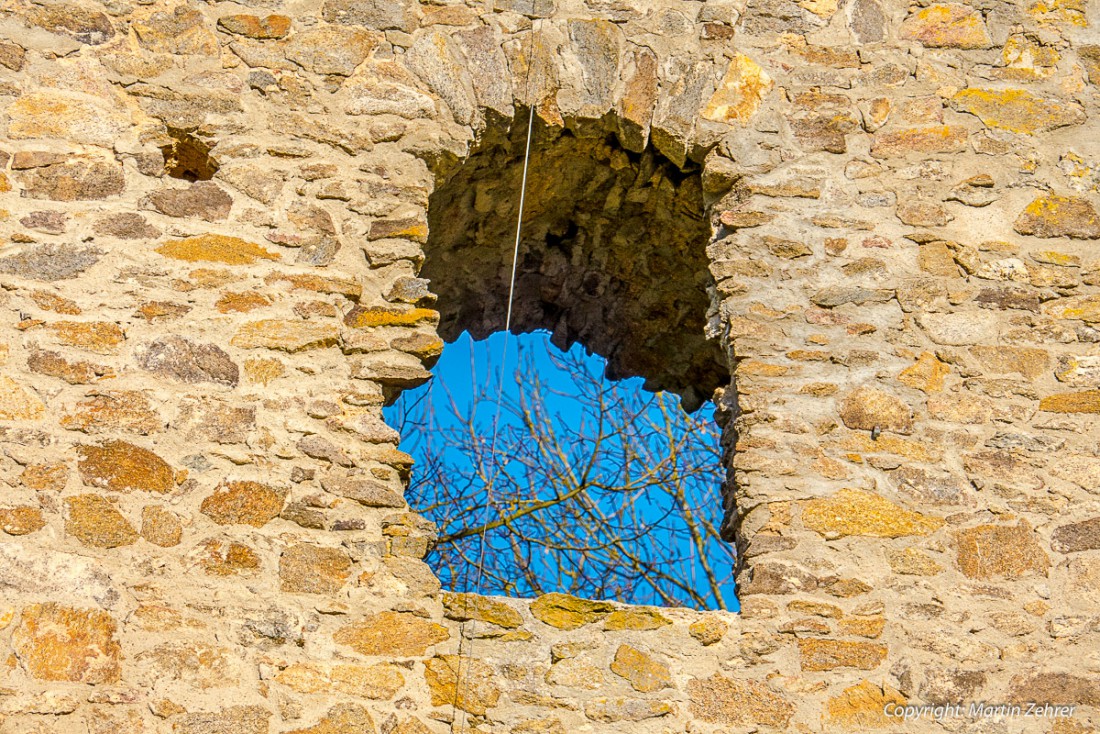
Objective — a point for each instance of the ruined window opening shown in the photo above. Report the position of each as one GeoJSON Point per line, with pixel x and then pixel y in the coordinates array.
{"type": "Point", "coordinates": [612, 259]}
{"type": "Point", "coordinates": [188, 157]}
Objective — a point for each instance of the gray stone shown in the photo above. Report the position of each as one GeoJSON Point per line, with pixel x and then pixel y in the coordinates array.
{"type": "Point", "coordinates": [380, 15]}
{"type": "Point", "coordinates": [838, 295]}
{"type": "Point", "coordinates": [365, 491]}
{"type": "Point", "coordinates": [489, 66]}
{"type": "Point", "coordinates": [184, 360]}
{"type": "Point", "coordinates": [201, 200]}
{"type": "Point", "coordinates": [867, 21]}
{"type": "Point", "coordinates": [125, 226]}
{"type": "Point", "coordinates": [80, 178]}
{"type": "Point", "coordinates": [319, 447]}
{"type": "Point", "coordinates": [1077, 537]}
{"type": "Point", "coordinates": [50, 261]}
{"type": "Point", "coordinates": [596, 46]}
{"type": "Point", "coordinates": [47, 222]}
{"type": "Point", "coordinates": [332, 49]}
{"type": "Point", "coordinates": [437, 60]}
{"type": "Point", "coordinates": [54, 575]}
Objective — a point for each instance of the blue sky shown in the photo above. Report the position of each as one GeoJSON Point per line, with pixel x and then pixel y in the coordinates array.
{"type": "Point", "coordinates": [532, 370]}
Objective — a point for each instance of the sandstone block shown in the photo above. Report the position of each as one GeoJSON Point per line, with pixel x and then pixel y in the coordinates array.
{"type": "Point", "coordinates": [740, 93]}
{"type": "Point", "coordinates": [738, 702]}
{"type": "Point", "coordinates": [344, 718]}
{"type": "Point", "coordinates": [187, 361]}
{"type": "Point", "coordinates": [912, 562]}
{"type": "Point", "coordinates": [576, 673]}
{"type": "Point", "coordinates": [960, 329]}
{"type": "Point", "coordinates": [464, 607]}
{"type": "Point", "coordinates": [635, 619]}
{"type": "Point", "coordinates": [286, 336]}
{"type": "Point", "coordinates": [100, 337]}
{"type": "Point", "coordinates": [201, 200]}
{"type": "Point", "coordinates": [469, 687]}
{"type": "Point", "coordinates": [230, 720]}
{"type": "Point", "coordinates": [95, 522]}
{"type": "Point", "coordinates": [50, 477]}
{"type": "Point", "coordinates": [1054, 688]}
{"type": "Point", "coordinates": [220, 558]}
{"type": "Point", "coordinates": [1085, 308]}
{"type": "Point", "coordinates": [1077, 537]}
{"type": "Point", "coordinates": [819, 654]}
{"type": "Point", "coordinates": [1087, 401]}
{"type": "Point", "coordinates": [50, 261]}
{"type": "Point", "coordinates": [60, 643]}
{"type": "Point", "coordinates": [125, 410]}
{"type": "Point", "coordinates": [926, 374]}
{"type": "Point", "coordinates": [17, 403]}
{"type": "Point", "coordinates": [331, 49]}
{"type": "Point", "coordinates": [999, 551]}
{"type": "Point", "coordinates": [66, 116]}
{"type": "Point", "coordinates": [77, 178]}
{"type": "Point", "coordinates": [947, 26]}
{"type": "Point", "coordinates": [708, 631]}
{"type": "Point", "coordinates": [861, 707]}
{"type": "Point", "coordinates": [645, 674]}
{"type": "Point", "coordinates": [21, 520]}
{"type": "Point", "coordinates": [1030, 362]}
{"type": "Point", "coordinates": [568, 612]}
{"type": "Point", "coordinates": [216, 248]}
{"type": "Point", "coordinates": [183, 31]}
{"type": "Point", "coordinates": [362, 317]}
{"type": "Point", "coordinates": [377, 682]}
{"type": "Point", "coordinates": [160, 526]}
{"type": "Point", "coordinates": [609, 710]}
{"type": "Point", "coordinates": [923, 141]}
{"type": "Point", "coordinates": [866, 408]}
{"type": "Point", "coordinates": [858, 512]}
{"type": "Point", "coordinates": [121, 467]}
{"type": "Point", "coordinates": [305, 568]}
{"type": "Point", "coordinates": [1052, 215]}
{"type": "Point", "coordinates": [254, 26]}
{"type": "Point", "coordinates": [391, 633]}
{"type": "Point", "coordinates": [243, 503]}
{"type": "Point", "coordinates": [1017, 110]}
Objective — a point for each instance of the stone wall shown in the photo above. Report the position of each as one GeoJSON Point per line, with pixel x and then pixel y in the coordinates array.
{"type": "Point", "coordinates": [213, 220]}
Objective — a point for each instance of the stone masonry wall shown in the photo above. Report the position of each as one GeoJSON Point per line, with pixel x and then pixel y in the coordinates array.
{"type": "Point", "coordinates": [212, 220]}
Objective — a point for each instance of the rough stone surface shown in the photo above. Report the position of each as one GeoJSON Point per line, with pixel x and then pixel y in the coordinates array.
{"type": "Point", "coordinates": [59, 643]}
{"type": "Point", "coordinates": [232, 233]}
{"type": "Point", "coordinates": [391, 633]}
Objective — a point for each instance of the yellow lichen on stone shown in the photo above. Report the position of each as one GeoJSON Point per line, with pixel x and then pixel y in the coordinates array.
{"type": "Point", "coordinates": [60, 643]}
{"type": "Point", "coordinates": [820, 8]}
{"type": "Point", "coordinates": [636, 619]}
{"type": "Point", "coordinates": [862, 706]}
{"type": "Point", "coordinates": [1018, 110]}
{"type": "Point", "coordinates": [740, 92]}
{"type": "Point", "coordinates": [391, 633]}
{"type": "Point", "coordinates": [17, 403]}
{"type": "Point", "coordinates": [464, 607]}
{"type": "Point", "coordinates": [1086, 401]}
{"type": "Point", "coordinates": [947, 26]}
{"type": "Point", "coordinates": [361, 318]}
{"type": "Point", "coordinates": [1000, 551]}
{"type": "Point", "coordinates": [1085, 308]}
{"type": "Point", "coordinates": [858, 512]}
{"type": "Point", "coordinates": [215, 248]}
{"type": "Point", "coordinates": [568, 612]}
{"type": "Point", "coordinates": [645, 674]}
{"type": "Point", "coordinates": [462, 682]}
{"type": "Point", "coordinates": [926, 374]}
{"type": "Point", "coordinates": [1052, 215]}
{"type": "Point", "coordinates": [1073, 12]}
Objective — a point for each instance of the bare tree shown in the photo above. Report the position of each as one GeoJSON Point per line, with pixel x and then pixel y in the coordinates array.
{"type": "Point", "coordinates": [600, 490]}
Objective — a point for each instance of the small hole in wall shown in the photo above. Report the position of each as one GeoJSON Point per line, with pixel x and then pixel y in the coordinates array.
{"type": "Point", "coordinates": [188, 157]}
{"type": "Point", "coordinates": [606, 461]}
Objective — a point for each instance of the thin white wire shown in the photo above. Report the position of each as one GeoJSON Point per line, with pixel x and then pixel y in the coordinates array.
{"type": "Point", "coordinates": [496, 419]}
